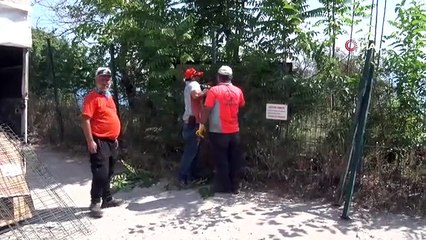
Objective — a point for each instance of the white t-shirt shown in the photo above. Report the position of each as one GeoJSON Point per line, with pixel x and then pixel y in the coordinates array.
{"type": "Point", "coordinates": [190, 86]}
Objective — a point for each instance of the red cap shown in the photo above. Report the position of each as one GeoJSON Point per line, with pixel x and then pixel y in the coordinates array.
{"type": "Point", "coordinates": [191, 72]}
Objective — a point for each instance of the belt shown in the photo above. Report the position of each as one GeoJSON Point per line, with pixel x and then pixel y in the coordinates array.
{"type": "Point", "coordinates": [104, 139]}
{"type": "Point", "coordinates": [187, 121]}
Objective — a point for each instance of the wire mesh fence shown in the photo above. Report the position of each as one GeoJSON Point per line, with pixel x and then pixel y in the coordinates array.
{"type": "Point", "coordinates": [32, 203]}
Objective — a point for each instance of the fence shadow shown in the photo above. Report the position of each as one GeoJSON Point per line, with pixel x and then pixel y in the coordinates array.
{"type": "Point", "coordinates": [280, 218]}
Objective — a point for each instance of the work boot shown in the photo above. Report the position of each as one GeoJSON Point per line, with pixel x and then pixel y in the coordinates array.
{"type": "Point", "coordinates": [95, 210]}
{"type": "Point", "coordinates": [111, 203]}
{"type": "Point", "coordinates": [235, 188]}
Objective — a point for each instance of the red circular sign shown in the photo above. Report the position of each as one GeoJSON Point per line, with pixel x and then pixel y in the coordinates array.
{"type": "Point", "coordinates": [351, 45]}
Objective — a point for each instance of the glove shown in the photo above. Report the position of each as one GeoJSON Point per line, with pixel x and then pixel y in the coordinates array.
{"type": "Point", "coordinates": [201, 131]}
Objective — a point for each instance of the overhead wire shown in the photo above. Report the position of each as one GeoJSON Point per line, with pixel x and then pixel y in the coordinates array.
{"type": "Point", "coordinates": [351, 34]}
{"type": "Point", "coordinates": [377, 18]}
{"type": "Point", "coordinates": [371, 19]}
{"type": "Point", "coordinates": [381, 34]}
{"type": "Point", "coordinates": [383, 131]}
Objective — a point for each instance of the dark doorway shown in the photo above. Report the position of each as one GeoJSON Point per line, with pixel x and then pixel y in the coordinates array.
{"type": "Point", "coordinates": [11, 61]}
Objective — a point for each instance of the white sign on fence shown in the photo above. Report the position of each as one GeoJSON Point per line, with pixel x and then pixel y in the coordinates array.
{"type": "Point", "coordinates": [276, 111]}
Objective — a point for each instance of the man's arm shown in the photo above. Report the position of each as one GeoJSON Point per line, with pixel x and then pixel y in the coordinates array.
{"type": "Point", "coordinates": [205, 114]}
{"type": "Point", "coordinates": [208, 106]}
{"type": "Point", "coordinates": [91, 144]}
{"type": "Point", "coordinates": [87, 113]}
{"type": "Point", "coordinates": [87, 130]}
{"type": "Point", "coordinates": [196, 92]}
{"type": "Point", "coordinates": [89, 108]}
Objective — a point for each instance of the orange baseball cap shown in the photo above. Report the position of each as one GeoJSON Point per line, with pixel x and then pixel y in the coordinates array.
{"type": "Point", "coordinates": [191, 73]}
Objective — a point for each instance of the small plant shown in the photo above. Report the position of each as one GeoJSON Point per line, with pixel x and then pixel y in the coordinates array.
{"type": "Point", "coordinates": [133, 178]}
{"type": "Point", "coordinates": [205, 192]}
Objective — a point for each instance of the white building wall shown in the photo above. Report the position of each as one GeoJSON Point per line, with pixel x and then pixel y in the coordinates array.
{"type": "Point", "coordinates": [15, 23]}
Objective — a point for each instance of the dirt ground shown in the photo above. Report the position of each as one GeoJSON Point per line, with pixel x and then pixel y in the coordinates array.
{"type": "Point", "coordinates": [154, 213]}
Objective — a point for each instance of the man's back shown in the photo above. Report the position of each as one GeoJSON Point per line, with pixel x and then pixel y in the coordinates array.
{"type": "Point", "coordinates": [189, 103]}
{"type": "Point", "coordinates": [225, 99]}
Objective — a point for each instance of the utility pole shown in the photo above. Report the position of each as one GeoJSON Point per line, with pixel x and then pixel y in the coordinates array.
{"type": "Point", "coordinates": [114, 77]}
{"type": "Point", "coordinates": [56, 93]}
{"type": "Point", "coordinates": [214, 46]}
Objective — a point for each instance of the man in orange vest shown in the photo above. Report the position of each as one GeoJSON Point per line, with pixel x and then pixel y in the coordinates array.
{"type": "Point", "coordinates": [101, 127]}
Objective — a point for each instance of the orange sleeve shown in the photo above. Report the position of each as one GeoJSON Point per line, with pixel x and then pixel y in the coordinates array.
{"type": "Point", "coordinates": [210, 99]}
{"type": "Point", "coordinates": [89, 106]}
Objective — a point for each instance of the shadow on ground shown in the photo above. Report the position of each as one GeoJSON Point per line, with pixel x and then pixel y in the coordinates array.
{"type": "Point", "coordinates": [290, 219]}
{"type": "Point", "coordinates": [155, 212]}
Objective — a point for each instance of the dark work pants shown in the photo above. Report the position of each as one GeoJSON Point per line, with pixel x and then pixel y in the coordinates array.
{"type": "Point", "coordinates": [189, 162]}
{"type": "Point", "coordinates": [226, 154]}
{"type": "Point", "coordinates": [102, 164]}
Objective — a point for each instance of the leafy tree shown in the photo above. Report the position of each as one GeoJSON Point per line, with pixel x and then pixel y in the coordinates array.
{"type": "Point", "coordinates": [74, 66]}
{"type": "Point", "coordinates": [151, 39]}
{"type": "Point", "coordinates": [406, 71]}
{"type": "Point", "coordinates": [338, 14]}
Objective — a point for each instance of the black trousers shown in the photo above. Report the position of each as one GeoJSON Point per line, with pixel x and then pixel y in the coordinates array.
{"type": "Point", "coordinates": [102, 164]}
{"type": "Point", "coordinates": [225, 151]}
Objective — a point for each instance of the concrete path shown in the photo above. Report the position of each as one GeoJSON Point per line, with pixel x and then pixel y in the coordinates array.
{"type": "Point", "coordinates": [157, 214]}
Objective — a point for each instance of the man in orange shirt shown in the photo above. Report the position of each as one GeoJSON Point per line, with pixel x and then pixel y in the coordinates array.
{"type": "Point", "coordinates": [101, 127]}
{"type": "Point", "coordinates": [222, 105]}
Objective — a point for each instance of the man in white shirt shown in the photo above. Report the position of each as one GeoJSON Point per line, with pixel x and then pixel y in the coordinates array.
{"type": "Point", "coordinates": [191, 118]}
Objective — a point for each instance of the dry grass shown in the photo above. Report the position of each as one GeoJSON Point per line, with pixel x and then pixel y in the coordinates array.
{"type": "Point", "coordinates": [304, 156]}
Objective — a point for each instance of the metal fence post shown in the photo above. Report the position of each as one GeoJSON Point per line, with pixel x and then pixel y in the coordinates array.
{"type": "Point", "coordinates": [358, 147]}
